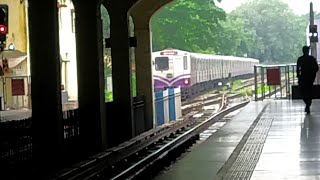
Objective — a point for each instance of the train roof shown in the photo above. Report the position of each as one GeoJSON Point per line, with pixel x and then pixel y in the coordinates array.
{"type": "Point", "coordinates": [169, 50]}
{"type": "Point", "coordinates": [199, 55]}
{"type": "Point", "coordinates": [227, 58]}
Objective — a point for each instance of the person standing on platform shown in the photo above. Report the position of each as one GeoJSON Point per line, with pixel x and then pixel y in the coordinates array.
{"type": "Point", "coordinates": [307, 68]}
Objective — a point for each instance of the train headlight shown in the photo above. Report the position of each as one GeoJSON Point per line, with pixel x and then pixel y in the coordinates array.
{"type": "Point", "coordinates": [186, 81]}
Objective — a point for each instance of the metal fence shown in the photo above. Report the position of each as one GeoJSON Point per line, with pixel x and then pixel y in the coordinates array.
{"type": "Point", "coordinates": [262, 87]}
{"type": "Point", "coordinates": [288, 78]}
{"type": "Point", "coordinates": [16, 143]}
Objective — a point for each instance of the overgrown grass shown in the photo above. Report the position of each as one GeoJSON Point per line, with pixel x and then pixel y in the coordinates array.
{"type": "Point", "coordinates": [134, 85]}
{"type": "Point", "coordinates": [266, 89]}
{"type": "Point", "coordinates": [236, 84]}
{"type": "Point", "coordinates": [108, 97]}
{"type": "Point", "coordinates": [247, 92]}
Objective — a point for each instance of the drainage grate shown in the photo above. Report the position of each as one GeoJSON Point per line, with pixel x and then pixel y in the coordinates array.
{"type": "Point", "coordinates": [244, 165]}
{"type": "Point", "coordinates": [245, 157]}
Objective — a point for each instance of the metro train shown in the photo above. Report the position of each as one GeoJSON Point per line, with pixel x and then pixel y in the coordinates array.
{"type": "Point", "coordinates": [195, 72]}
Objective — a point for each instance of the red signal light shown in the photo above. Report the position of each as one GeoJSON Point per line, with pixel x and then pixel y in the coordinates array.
{"type": "Point", "coordinates": [3, 29]}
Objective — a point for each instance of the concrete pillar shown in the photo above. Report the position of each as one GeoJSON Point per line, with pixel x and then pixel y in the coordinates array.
{"type": "Point", "coordinates": [90, 75]}
{"type": "Point", "coordinates": [144, 66]}
{"type": "Point", "coordinates": [142, 12]}
{"type": "Point", "coordinates": [122, 117]}
{"type": "Point", "coordinates": [121, 72]}
{"type": "Point", "coordinates": [47, 125]}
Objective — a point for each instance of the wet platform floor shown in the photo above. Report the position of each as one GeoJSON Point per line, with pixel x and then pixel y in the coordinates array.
{"type": "Point", "coordinates": [273, 139]}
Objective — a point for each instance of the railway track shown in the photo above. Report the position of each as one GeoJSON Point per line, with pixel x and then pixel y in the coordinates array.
{"type": "Point", "coordinates": [206, 101]}
{"type": "Point", "coordinates": [118, 162]}
{"type": "Point", "coordinates": [176, 142]}
{"type": "Point", "coordinates": [135, 158]}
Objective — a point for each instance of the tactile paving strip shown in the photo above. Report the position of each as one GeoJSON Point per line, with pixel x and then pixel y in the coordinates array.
{"type": "Point", "coordinates": [243, 167]}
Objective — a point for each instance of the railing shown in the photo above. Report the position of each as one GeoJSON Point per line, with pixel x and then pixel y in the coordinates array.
{"type": "Point", "coordinates": [16, 142]}
{"type": "Point", "coordinates": [139, 114]}
{"type": "Point", "coordinates": [262, 90]}
{"type": "Point", "coordinates": [15, 145]}
{"type": "Point", "coordinates": [288, 78]}
{"type": "Point", "coordinates": [294, 79]}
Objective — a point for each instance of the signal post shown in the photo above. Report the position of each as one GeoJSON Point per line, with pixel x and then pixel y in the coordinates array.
{"type": "Point", "coordinates": [3, 25]}
{"type": "Point", "coordinates": [313, 35]}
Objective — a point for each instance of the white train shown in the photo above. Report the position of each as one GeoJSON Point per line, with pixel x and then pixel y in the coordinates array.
{"type": "Point", "coordinates": [194, 72]}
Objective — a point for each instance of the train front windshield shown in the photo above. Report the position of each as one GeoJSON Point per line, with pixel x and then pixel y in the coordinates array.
{"type": "Point", "coordinates": [162, 63]}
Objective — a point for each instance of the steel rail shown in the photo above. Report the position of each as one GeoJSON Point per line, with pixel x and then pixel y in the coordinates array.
{"type": "Point", "coordinates": [135, 169]}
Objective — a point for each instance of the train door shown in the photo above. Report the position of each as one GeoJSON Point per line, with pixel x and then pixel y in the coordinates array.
{"type": "Point", "coordinates": [187, 69]}
{"type": "Point", "coordinates": [171, 72]}
{"type": "Point", "coordinates": [207, 69]}
{"type": "Point", "coordinates": [193, 69]}
{"type": "Point", "coordinates": [185, 65]}
{"type": "Point", "coordinates": [210, 66]}
{"type": "Point", "coordinates": [178, 65]}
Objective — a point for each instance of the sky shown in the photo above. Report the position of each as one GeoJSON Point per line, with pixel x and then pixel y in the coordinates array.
{"type": "Point", "coordinates": [299, 6]}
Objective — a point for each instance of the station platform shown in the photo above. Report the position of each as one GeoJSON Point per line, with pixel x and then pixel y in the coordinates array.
{"type": "Point", "coordinates": [270, 139]}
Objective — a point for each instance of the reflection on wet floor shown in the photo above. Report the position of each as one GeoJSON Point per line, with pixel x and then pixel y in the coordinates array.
{"type": "Point", "coordinates": [212, 129]}
{"type": "Point", "coordinates": [291, 149]}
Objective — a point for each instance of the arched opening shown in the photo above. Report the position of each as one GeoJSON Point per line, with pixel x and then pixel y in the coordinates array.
{"type": "Point", "coordinates": [107, 56]}
{"type": "Point", "coordinates": [265, 30]}
{"type": "Point", "coordinates": [132, 59]}
{"type": "Point", "coordinates": [68, 60]}
{"type": "Point", "coordinates": [272, 31]}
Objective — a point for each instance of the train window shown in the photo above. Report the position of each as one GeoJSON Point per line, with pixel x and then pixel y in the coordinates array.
{"type": "Point", "coordinates": [162, 63]}
{"type": "Point", "coordinates": [185, 63]}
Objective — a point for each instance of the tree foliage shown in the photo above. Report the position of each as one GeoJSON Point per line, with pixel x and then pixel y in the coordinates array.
{"type": "Point", "coordinates": [233, 38]}
{"type": "Point", "coordinates": [106, 34]}
{"type": "Point", "coordinates": [189, 25]}
{"type": "Point", "coordinates": [278, 33]}
{"type": "Point", "coordinates": [264, 29]}
{"type": "Point", "coordinates": [200, 26]}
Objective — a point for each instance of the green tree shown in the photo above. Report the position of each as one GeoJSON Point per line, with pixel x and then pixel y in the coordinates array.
{"type": "Point", "coordinates": [107, 51]}
{"type": "Point", "coordinates": [200, 26]}
{"type": "Point", "coordinates": [105, 22]}
{"type": "Point", "coordinates": [278, 33]}
{"type": "Point", "coordinates": [189, 25]}
{"type": "Point", "coordinates": [233, 39]}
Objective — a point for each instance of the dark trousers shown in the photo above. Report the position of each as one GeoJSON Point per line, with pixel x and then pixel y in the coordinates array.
{"type": "Point", "coordinates": [306, 90]}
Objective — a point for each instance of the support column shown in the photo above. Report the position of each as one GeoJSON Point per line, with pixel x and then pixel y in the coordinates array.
{"type": "Point", "coordinates": [144, 67]}
{"type": "Point", "coordinates": [90, 75]}
{"type": "Point", "coordinates": [46, 91]}
{"type": "Point", "coordinates": [142, 12]}
{"type": "Point", "coordinates": [122, 119]}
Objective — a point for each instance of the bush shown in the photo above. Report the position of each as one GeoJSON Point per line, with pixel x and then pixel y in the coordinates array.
{"type": "Point", "coordinates": [236, 84]}
{"type": "Point", "coordinates": [108, 95]}
{"type": "Point", "coordinates": [266, 89]}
